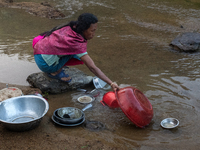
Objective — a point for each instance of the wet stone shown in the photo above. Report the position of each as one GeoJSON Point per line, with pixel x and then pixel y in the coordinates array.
{"type": "Point", "coordinates": [48, 85]}
{"type": "Point", "coordinates": [188, 42]}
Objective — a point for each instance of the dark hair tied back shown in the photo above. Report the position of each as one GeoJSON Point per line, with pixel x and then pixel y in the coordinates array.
{"type": "Point", "coordinates": [83, 23]}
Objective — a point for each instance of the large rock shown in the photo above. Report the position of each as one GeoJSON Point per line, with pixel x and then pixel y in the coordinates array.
{"type": "Point", "coordinates": [43, 9]}
{"type": "Point", "coordinates": [188, 42]}
{"type": "Point", "coordinates": [48, 85]}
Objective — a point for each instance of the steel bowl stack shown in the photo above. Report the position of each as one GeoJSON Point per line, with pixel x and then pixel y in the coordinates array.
{"type": "Point", "coordinates": [59, 116]}
{"type": "Point", "coordinates": [69, 116]}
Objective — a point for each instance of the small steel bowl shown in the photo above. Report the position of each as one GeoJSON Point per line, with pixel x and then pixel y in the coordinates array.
{"type": "Point", "coordinates": [169, 123]}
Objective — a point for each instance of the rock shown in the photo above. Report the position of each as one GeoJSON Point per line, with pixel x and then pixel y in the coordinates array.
{"type": "Point", "coordinates": [48, 85]}
{"type": "Point", "coordinates": [43, 9]}
{"type": "Point", "coordinates": [188, 42]}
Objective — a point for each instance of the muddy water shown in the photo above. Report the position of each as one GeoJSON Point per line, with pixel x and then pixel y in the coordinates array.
{"type": "Point", "coordinates": [131, 47]}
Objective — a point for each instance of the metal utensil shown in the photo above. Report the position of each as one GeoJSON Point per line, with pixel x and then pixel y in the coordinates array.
{"type": "Point", "coordinates": [93, 93]}
{"type": "Point", "coordinates": [81, 90]}
{"type": "Point", "coordinates": [86, 91]}
{"type": "Point", "coordinates": [87, 107]}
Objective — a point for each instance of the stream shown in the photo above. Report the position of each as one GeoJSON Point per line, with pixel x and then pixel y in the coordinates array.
{"type": "Point", "coordinates": [131, 47]}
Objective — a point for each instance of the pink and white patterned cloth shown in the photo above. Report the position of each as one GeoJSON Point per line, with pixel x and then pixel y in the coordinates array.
{"type": "Point", "coordinates": [63, 41]}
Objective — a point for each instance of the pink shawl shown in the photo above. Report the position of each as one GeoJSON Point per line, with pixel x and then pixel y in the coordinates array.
{"type": "Point", "coordinates": [63, 41]}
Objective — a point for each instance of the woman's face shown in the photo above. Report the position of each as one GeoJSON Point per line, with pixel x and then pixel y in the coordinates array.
{"type": "Point", "coordinates": [90, 32]}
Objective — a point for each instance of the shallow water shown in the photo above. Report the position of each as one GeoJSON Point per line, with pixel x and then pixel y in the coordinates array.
{"type": "Point", "coordinates": [130, 47]}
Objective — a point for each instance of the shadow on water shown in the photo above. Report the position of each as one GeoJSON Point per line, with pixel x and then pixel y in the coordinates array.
{"type": "Point", "coordinates": [131, 47]}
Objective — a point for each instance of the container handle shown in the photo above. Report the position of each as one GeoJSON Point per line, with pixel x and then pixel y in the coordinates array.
{"type": "Point", "coordinates": [102, 102]}
{"type": "Point", "coordinates": [116, 95]}
{"type": "Point", "coordinates": [86, 107]}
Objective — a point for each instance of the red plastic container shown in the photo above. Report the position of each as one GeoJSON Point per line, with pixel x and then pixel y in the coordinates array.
{"type": "Point", "coordinates": [110, 99]}
{"type": "Point", "coordinates": [135, 106]}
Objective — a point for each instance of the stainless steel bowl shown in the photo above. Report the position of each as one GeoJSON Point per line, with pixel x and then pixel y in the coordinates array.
{"type": "Point", "coordinates": [23, 113]}
{"type": "Point", "coordinates": [100, 84]}
{"type": "Point", "coordinates": [169, 123]}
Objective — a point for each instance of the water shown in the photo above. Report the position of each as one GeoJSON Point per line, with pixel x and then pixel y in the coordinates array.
{"type": "Point", "coordinates": [131, 47]}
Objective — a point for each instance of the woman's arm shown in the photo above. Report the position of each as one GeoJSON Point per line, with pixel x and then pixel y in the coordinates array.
{"type": "Point", "coordinates": [94, 69]}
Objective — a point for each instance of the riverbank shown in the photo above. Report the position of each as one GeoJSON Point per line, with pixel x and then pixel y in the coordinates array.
{"type": "Point", "coordinates": [48, 135]}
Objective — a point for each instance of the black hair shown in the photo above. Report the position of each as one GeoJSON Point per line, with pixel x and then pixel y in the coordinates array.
{"type": "Point", "coordinates": [83, 23]}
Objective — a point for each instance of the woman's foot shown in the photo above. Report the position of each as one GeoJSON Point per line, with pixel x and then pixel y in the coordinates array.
{"type": "Point", "coordinates": [60, 76]}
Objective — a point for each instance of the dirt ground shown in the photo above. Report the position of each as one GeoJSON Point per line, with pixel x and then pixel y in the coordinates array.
{"type": "Point", "coordinates": [43, 9]}
{"type": "Point", "coordinates": [48, 135]}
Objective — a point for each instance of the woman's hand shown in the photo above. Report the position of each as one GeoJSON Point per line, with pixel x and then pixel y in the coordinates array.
{"type": "Point", "coordinates": [94, 69]}
{"type": "Point", "coordinates": [114, 86]}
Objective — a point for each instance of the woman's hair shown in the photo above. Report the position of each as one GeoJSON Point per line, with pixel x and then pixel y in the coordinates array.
{"type": "Point", "coordinates": [83, 23]}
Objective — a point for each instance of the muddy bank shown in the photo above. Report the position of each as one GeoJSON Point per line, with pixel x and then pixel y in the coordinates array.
{"type": "Point", "coordinates": [43, 9]}
{"type": "Point", "coordinates": [48, 135]}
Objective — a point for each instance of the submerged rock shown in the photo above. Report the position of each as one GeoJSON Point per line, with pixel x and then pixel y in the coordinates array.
{"type": "Point", "coordinates": [43, 9]}
{"type": "Point", "coordinates": [188, 42]}
{"type": "Point", "coordinates": [48, 85]}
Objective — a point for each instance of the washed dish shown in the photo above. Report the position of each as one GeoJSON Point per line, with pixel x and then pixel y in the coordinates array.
{"type": "Point", "coordinates": [169, 123]}
{"type": "Point", "coordinates": [85, 99]}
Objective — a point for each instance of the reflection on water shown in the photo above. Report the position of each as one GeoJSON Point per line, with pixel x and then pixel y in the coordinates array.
{"type": "Point", "coordinates": [131, 47]}
{"type": "Point", "coordinates": [15, 69]}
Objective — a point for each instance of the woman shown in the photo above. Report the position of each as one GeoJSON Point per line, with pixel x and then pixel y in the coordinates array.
{"type": "Point", "coordinates": [67, 45]}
